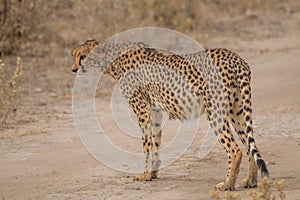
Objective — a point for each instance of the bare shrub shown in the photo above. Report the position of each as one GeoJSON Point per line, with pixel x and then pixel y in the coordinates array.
{"type": "Point", "coordinates": [10, 90]}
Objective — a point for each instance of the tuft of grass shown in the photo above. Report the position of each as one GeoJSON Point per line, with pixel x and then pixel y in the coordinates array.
{"type": "Point", "coordinates": [214, 194]}
{"type": "Point", "coordinates": [231, 196]}
{"type": "Point", "coordinates": [263, 192]}
{"type": "Point", "coordinates": [10, 90]}
{"type": "Point", "coordinates": [279, 186]}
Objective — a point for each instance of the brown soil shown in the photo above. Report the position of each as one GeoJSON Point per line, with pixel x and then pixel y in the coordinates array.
{"type": "Point", "coordinates": [42, 156]}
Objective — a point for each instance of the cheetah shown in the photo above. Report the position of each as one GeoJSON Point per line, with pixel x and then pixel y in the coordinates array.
{"type": "Point", "coordinates": [153, 81]}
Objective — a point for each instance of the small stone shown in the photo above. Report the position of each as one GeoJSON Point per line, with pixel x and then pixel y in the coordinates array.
{"type": "Point", "coordinates": [53, 94]}
{"type": "Point", "coordinates": [38, 90]}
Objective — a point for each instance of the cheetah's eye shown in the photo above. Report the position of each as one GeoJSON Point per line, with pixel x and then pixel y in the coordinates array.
{"type": "Point", "coordinates": [81, 58]}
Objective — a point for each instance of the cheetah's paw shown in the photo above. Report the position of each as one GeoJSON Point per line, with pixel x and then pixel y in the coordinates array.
{"type": "Point", "coordinates": [223, 186]}
{"type": "Point", "coordinates": [249, 183]}
{"type": "Point", "coordinates": [143, 177]}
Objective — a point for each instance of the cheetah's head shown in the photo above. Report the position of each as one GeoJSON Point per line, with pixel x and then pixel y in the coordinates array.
{"type": "Point", "coordinates": [79, 53]}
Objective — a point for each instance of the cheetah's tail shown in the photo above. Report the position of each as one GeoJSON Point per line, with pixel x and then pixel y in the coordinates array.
{"type": "Point", "coordinates": [244, 84]}
{"type": "Point", "coordinates": [257, 157]}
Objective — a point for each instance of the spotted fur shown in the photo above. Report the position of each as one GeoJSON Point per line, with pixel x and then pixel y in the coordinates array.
{"type": "Point", "coordinates": [153, 81]}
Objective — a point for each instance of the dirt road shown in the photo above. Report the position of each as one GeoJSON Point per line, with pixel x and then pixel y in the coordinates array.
{"type": "Point", "coordinates": [42, 157]}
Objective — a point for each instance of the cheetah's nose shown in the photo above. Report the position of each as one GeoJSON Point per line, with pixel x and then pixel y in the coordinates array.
{"type": "Point", "coordinates": [74, 70]}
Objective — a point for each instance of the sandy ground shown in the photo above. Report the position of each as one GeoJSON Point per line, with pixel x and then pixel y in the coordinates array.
{"type": "Point", "coordinates": [43, 157]}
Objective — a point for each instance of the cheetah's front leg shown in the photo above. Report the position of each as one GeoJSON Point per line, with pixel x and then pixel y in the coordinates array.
{"type": "Point", "coordinates": [151, 144]}
{"type": "Point", "coordinates": [148, 147]}
{"type": "Point", "coordinates": [151, 141]}
{"type": "Point", "coordinates": [156, 120]}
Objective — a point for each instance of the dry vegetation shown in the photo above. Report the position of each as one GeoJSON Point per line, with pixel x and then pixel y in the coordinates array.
{"type": "Point", "coordinates": [263, 192]}
{"type": "Point", "coordinates": [10, 90]}
{"type": "Point", "coordinates": [11, 28]}
{"type": "Point", "coordinates": [25, 23]}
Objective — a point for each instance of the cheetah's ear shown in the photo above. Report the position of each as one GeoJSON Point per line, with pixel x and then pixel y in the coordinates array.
{"type": "Point", "coordinates": [92, 41]}
{"type": "Point", "coordinates": [73, 51]}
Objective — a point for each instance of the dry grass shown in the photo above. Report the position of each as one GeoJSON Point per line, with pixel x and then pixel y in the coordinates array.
{"type": "Point", "coordinates": [54, 21]}
{"type": "Point", "coordinates": [11, 26]}
{"type": "Point", "coordinates": [263, 192]}
{"type": "Point", "coordinates": [10, 90]}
